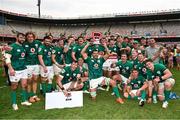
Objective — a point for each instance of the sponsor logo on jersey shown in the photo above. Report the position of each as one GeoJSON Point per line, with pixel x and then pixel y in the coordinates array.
{"type": "Point", "coordinates": [63, 71]}
{"type": "Point", "coordinates": [127, 68]}
{"type": "Point", "coordinates": [36, 45]}
{"type": "Point", "coordinates": [158, 72]}
{"type": "Point", "coordinates": [18, 50]}
{"type": "Point", "coordinates": [74, 74]}
{"type": "Point", "coordinates": [26, 45]}
{"type": "Point", "coordinates": [39, 50]}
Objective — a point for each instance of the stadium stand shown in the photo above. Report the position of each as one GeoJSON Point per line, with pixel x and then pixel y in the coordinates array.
{"type": "Point", "coordinates": [153, 24]}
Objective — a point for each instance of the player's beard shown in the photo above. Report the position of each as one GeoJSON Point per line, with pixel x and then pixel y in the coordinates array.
{"type": "Point", "coordinates": [21, 41]}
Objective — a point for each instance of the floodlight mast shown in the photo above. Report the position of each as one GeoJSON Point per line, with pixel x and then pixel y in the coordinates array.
{"type": "Point", "coordinates": [39, 8]}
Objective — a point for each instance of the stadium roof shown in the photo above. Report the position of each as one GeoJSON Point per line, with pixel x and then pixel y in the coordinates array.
{"type": "Point", "coordinates": [153, 17]}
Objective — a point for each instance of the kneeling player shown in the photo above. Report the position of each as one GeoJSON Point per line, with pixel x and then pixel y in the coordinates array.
{"type": "Point", "coordinates": [70, 79]}
{"type": "Point", "coordinates": [136, 87]}
{"type": "Point", "coordinates": [162, 77]}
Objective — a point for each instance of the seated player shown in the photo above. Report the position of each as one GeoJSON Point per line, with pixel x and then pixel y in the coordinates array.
{"type": "Point", "coordinates": [84, 75]}
{"type": "Point", "coordinates": [125, 67]}
{"type": "Point", "coordinates": [136, 87]}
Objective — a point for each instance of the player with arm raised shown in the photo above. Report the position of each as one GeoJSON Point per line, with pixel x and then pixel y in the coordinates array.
{"type": "Point", "coordinates": [96, 77]}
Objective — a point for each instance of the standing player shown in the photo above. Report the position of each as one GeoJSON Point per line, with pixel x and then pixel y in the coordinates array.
{"type": "Point", "coordinates": [96, 73]}
{"type": "Point", "coordinates": [113, 57]}
{"type": "Point", "coordinates": [68, 51]}
{"type": "Point", "coordinates": [46, 68]}
{"type": "Point", "coordinates": [76, 52]}
{"type": "Point", "coordinates": [17, 70]}
{"type": "Point", "coordinates": [162, 77]}
{"type": "Point", "coordinates": [31, 46]}
{"type": "Point", "coordinates": [58, 59]}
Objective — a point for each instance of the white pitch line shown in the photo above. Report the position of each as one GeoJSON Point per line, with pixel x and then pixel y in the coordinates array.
{"type": "Point", "coordinates": [3, 87]}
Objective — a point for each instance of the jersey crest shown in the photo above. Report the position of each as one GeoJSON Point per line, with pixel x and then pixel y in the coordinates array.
{"type": "Point", "coordinates": [32, 50]}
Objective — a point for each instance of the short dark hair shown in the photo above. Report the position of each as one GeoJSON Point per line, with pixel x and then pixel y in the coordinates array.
{"type": "Point", "coordinates": [140, 53]}
{"type": "Point", "coordinates": [94, 50]}
{"type": "Point", "coordinates": [80, 37]}
{"type": "Point", "coordinates": [46, 37]}
{"type": "Point", "coordinates": [148, 60]}
{"type": "Point", "coordinates": [20, 34]}
{"type": "Point", "coordinates": [134, 69]}
{"type": "Point", "coordinates": [124, 53]}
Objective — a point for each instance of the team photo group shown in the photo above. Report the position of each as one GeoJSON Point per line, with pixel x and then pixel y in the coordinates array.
{"type": "Point", "coordinates": [129, 68]}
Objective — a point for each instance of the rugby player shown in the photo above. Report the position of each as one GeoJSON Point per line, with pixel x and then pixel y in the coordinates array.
{"type": "Point", "coordinates": [162, 77]}
{"type": "Point", "coordinates": [15, 60]}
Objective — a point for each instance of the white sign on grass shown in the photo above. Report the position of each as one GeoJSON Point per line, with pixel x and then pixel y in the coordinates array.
{"type": "Point", "coordinates": [59, 100]}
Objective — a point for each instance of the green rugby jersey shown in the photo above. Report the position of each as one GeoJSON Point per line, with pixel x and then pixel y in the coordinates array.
{"type": "Point", "coordinates": [137, 83]}
{"type": "Point", "coordinates": [95, 67]}
{"type": "Point", "coordinates": [69, 75]}
{"type": "Point", "coordinates": [18, 57]}
{"type": "Point", "coordinates": [134, 62]}
{"type": "Point", "coordinates": [141, 67]}
{"type": "Point", "coordinates": [77, 49]}
{"type": "Point", "coordinates": [99, 48]}
{"type": "Point", "coordinates": [158, 71]}
{"type": "Point", "coordinates": [125, 68]}
{"type": "Point", "coordinates": [67, 56]}
{"type": "Point", "coordinates": [114, 49]}
{"type": "Point", "coordinates": [89, 50]}
{"type": "Point", "coordinates": [82, 70]}
{"type": "Point", "coordinates": [46, 52]}
{"type": "Point", "coordinates": [32, 52]}
{"type": "Point", "coordinates": [58, 52]}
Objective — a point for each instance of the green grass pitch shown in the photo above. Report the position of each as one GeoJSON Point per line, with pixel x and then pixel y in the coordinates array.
{"type": "Point", "coordinates": [104, 107]}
